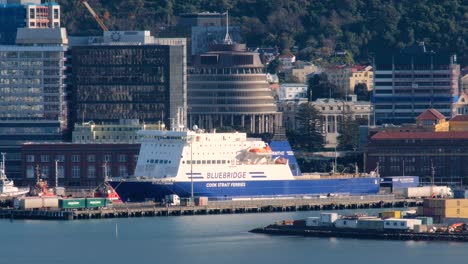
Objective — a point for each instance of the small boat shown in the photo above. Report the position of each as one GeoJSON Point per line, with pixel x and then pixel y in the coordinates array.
{"type": "Point", "coordinates": [7, 187]}
{"type": "Point", "coordinates": [261, 151]}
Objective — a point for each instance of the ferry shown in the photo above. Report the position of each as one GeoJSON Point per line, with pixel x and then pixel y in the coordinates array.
{"type": "Point", "coordinates": [226, 166]}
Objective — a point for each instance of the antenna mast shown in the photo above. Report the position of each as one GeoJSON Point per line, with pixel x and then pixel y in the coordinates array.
{"type": "Point", "coordinates": [227, 38]}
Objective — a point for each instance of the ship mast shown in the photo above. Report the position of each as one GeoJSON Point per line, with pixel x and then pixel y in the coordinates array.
{"type": "Point", "coordinates": [227, 37]}
{"type": "Point", "coordinates": [2, 172]}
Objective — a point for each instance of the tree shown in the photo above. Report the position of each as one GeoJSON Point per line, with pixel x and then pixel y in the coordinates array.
{"type": "Point", "coordinates": [273, 66]}
{"type": "Point", "coordinates": [361, 91]}
{"type": "Point", "coordinates": [320, 87]}
{"type": "Point", "coordinates": [308, 136]}
{"type": "Point", "coordinates": [348, 139]}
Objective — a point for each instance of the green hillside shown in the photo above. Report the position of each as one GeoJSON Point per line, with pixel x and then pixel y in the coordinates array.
{"type": "Point", "coordinates": [360, 27]}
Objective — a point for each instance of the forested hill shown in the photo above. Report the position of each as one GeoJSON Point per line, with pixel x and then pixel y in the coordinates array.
{"type": "Point", "coordinates": [360, 27]}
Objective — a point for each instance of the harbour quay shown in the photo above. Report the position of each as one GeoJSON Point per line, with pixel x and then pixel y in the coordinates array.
{"type": "Point", "coordinates": [147, 209]}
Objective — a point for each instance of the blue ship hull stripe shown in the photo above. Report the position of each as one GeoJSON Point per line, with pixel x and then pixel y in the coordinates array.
{"type": "Point", "coordinates": [140, 190]}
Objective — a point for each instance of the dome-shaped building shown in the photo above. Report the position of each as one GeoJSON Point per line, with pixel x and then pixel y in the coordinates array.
{"type": "Point", "coordinates": [227, 86]}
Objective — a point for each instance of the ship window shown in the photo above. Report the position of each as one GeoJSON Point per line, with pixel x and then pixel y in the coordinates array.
{"type": "Point", "coordinates": [198, 161]}
{"type": "Point", "coordinates": [170, 162]}
{"type": "Point", "coordinates": [213, 161]}
{"type": "Point", "coordinates": [402, 224]}
{"type": "Point", "coordinates": [183, 162]}
{"type": "Point", "coordinates": [203, 161]}
{"type": "Point", "coordinates": [208, 162]}
{"type": "Point", "coordinates": [229, 161]}
{"type": "Point", "coordinates": [165, 161]}
{"type": "Point", "coordinates": [218, 162]}
{"type": "Point", "coordinates": [224, 162]}
{"type": "Point", "coordinates": [189, 162]}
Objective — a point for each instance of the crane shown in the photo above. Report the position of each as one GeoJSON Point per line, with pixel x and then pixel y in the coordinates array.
{"type": "Point", "coordinates": [98, 19]}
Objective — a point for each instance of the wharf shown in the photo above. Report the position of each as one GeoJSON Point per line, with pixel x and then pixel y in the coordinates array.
{"type": "Point", "coordinates": [359, 233]}
{"type": "Point", "coordinates": [217, 207]}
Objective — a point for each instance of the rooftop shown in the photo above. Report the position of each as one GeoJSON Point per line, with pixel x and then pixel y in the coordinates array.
{"type": "Point", "coordinates": [420, 135]}
{"type": "Point", "coordinates": [430, 114]}
{"type": "Point", "coordinates": [460, 118]}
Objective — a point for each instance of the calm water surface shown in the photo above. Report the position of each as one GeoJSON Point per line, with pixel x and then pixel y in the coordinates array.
{"type": "Point", "coordinates": [201, 239]}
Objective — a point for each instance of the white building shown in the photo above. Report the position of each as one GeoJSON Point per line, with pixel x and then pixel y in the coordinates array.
{"type": "Point", "coordinates": [333, 112]}
{"type": "Point", "coordinates": [292, 92]}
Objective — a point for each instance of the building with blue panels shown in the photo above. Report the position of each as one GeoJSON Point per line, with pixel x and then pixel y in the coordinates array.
{"type": "Point", "coordinates": [412, 80]}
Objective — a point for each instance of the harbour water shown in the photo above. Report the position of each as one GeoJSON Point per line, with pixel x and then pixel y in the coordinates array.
{"type": "Point", "coordinates": [201, 239]}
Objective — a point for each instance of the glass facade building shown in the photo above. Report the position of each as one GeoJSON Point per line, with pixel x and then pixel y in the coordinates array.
{"type": "Point", "coordinates": [125, 81]}
{"type": "Point", "coordinates": [413, 80]}
{"type": "Point", "coordinates": [32, 99]}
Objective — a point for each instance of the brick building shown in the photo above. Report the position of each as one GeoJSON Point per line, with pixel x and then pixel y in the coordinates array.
{"type": "Point", "coordinates": [80, 165]}
{"type": "Point", "coordinates": [416, 153]}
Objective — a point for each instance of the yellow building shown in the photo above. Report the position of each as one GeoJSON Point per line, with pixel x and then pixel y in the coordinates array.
{"type": "Point", "coordinates": [124, 132]}
{"type": "Point", "coordinates": [458, 123]}
{"type": "Point", "coordinates": [361, 74]}
{"type": "Point", "coordinates": [346, 77]}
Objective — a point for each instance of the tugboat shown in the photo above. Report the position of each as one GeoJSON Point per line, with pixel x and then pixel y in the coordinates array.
{"type": "Point", "coordinates": [105, 190]}
{"type": "Point", "coordinates": [41, 188]}
{"type": "Point", "coordinates": [7, 187]}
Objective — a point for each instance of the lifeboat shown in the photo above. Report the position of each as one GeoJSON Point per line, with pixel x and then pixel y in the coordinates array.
{"type": "Point", "coordinates": [281, 160]}
{"type": "Point", "coordinates": [261, 151]}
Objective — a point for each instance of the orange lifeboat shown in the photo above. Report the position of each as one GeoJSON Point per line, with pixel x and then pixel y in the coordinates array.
{"type": "Point", "coordinates": [264, 150]}
{"type": "Point", "coordinates": [281, 160]}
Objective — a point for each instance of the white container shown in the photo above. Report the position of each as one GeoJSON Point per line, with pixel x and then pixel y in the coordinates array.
{"type": "Point", "coordinates": [50, 202]}
{"type": "Point", "coordinates": [427, 191]}
{"type": "Point", "coordinates": [172, 199]}
{"type": "Point", "coordinates": [328, 218]}
{"type": "Point", "coordinates": [30, 203]}
{"type": "Point", "coordinates": [312, 221]}
{"type": "Point", "coordinates": [401, 224]}
{"type": "Point", "coordinates": [346, 223]}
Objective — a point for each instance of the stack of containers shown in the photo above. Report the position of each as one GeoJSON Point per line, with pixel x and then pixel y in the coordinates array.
{"type": "Point", "coordinates": [443, 209]}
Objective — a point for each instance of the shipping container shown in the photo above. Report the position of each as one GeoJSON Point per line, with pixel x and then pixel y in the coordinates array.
{"type": "Point", "coordinates": [300, 223]}
{"type": "Point", "coordinates": [390, 214]}
{"type": "Point", "coordinates": [95, 202]}
{"type": "Point", "coordinates": [201, 201]}
{"type": "Point", "coordinates": [288, 222]}
{"type": "Point", "coordinates": [398, 183]}
{"type": "Point", "coordinates": [402, 224]}
{"type": "Point", "coordinates": [30, 203]}
{"type": "Point", "coordinates": [328, 218]}
{"type": "Point", "coordinates": [425, 220]}
{"type": "Point", "coordinates": [72, 203]}
{"type": "Point", "coordinates": [312, 221]}
{"type": "Point", "coordinates": [420, 228]}
{"type": "Point", "coordinates": [427, 191]}
{"type": "Point", "coordinates": [50, 202]}
{"type": "Point", "coordinates": [375, 224]}
{"type": "Point", "coordinates": [346, 223]}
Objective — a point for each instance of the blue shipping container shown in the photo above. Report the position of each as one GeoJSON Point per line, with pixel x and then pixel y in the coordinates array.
{"type": "Point", "coordinates": [400, 182]}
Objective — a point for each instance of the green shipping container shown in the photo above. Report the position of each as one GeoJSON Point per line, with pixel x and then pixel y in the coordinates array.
{"type": "Point", "coordinates": [76, 203]}
{"type": "Point", "coordinates": [95, 202]}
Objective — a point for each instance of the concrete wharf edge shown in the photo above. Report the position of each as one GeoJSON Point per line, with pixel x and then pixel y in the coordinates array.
{"type": "Point", "coordinates": [216, 207]}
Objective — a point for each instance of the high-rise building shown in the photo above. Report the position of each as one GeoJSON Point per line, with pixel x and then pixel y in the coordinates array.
{"type": "Point", "coordinates": [129, 75]}
{"type": "Point", "coordinates": [227, 87]}
{"type": "Point", "coordinates": [16, 14]}
{"type": "Point", "coordinates": [410, 81]}
{"type": "Point", "coordinates": [32, 92]}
